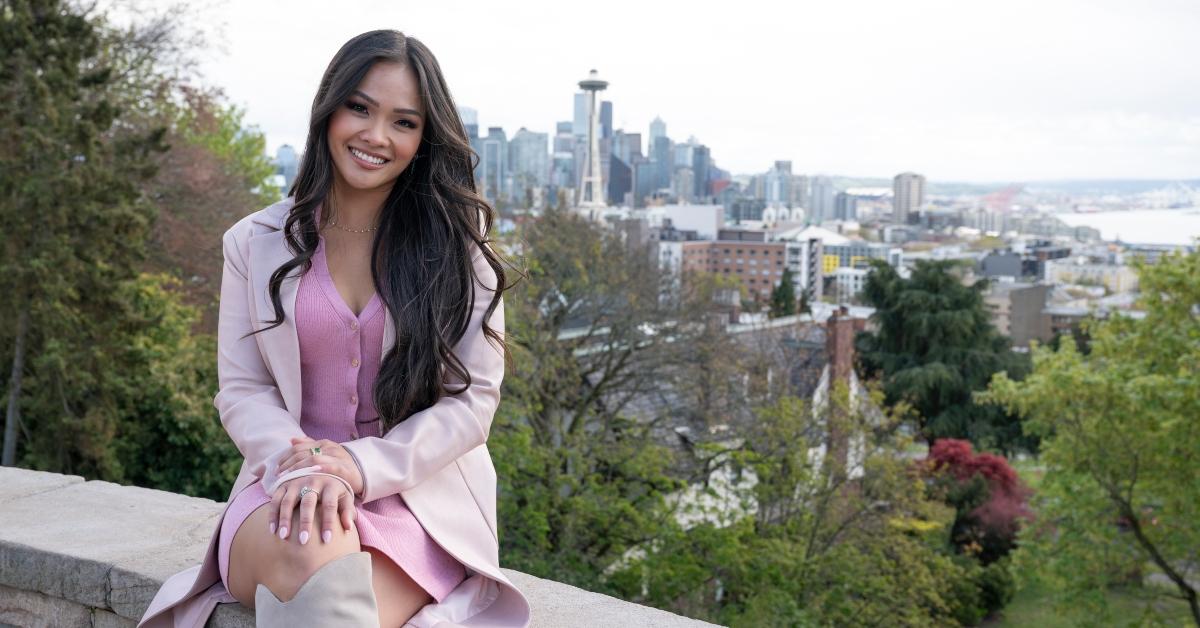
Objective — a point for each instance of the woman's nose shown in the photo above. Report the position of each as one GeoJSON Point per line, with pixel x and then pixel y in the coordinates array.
{"type": "Point", "coordinates": [373, 134]}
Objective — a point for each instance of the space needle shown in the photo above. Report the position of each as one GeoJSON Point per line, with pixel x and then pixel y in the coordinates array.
{"type": "Point", "coordinates": [589, 199]}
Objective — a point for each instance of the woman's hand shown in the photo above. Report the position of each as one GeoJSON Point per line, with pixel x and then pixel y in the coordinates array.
{"type": "Point", "coordinates": [326, 491]}
{"type": "Point", "coordinates": [333, 459]}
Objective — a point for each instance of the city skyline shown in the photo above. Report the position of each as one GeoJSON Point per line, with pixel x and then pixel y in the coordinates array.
{"type": "Point", "coordinates": [1064, 94]}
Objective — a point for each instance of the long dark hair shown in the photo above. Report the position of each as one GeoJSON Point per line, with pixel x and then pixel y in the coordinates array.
{"type": "Point", "coordinates": [421, 254]}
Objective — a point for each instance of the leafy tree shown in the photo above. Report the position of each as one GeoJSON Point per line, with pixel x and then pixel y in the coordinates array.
{"type": "Point", "coordinates": [1120, 445]}
{"type": "Point", "coordinates": [822, 547]}
{"type": "Point", "coordinates": [72, 216]}
{"type": "Point", "coordinates": [934, 346]}
{"type": "Point", "coordinates": [783, 296]}
{"type": "Point", "coordinates": [990, 501]}
{"type": "Point", "coordinates": [581, 480]}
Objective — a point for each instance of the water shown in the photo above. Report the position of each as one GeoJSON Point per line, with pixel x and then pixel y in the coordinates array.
{"type": "Point", "coordinates": [1142, 226]}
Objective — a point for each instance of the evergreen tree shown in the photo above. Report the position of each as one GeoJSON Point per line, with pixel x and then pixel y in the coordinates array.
{"type": "Point", "coordinates": [932, 347]}
{"type": "Point", "coordinates": [783, 297]}
{"type": "Point", "coordinates": [71, 215]}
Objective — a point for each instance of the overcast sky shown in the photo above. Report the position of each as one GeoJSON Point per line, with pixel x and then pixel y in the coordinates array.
{"type": "Point", "coordinates": [958, 90]}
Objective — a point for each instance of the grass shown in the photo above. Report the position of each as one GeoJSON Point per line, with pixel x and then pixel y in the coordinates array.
{"type": "Point", "coordinates": [1035, 608]}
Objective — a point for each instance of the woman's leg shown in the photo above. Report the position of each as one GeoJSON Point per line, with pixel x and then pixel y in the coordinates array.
{"type": "Point", "coordinates": [283, 566]}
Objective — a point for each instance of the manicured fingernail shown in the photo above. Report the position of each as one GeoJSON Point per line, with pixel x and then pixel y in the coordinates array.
{"type": "Point", "coordinates": [304, 537]}
{"type": "Point", "coordinates": [272, 527]}
{"type": "Point", "coordinates": [327, 536]}
{"type": "Point", "coordinates": [283, 532]}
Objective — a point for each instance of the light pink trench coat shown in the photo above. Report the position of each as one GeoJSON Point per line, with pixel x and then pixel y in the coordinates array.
{"type": "Point", "coordinates": [437, 459]}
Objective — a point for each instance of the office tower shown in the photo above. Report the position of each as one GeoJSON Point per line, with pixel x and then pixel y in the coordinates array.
{"type": "Point", "coordinates": [658, 129]}
{"type": "Point", "coordinates": [579, 123]}
{"type": "Point", "coordinates": [701, 163]}
{"type": "Point", "coordinates": [529, 162]}
{"type": "Point", "coordinates": [845, 206]}
{"type": "Point", "coordinates": [820, 205]}
{"type": "Point", "coordinates": [494, 165]}
{"type": "Point", "coordinates": [606, 116]}
{"type": "Point", "coordinates": [620, 180]}
{"type": "Point", "coordinates": [684, 184]}
{"type": "Point", "coordinates": [775, 187]}
{"type": "Point", "coordinates": [645, 180]}
{"type": "Point", "coordinates": [908, 196]}
{"type": "Point", "coordinates": [660, 153]}
{"type": "Point", "coordinates": [626, 146]}
{"type": "Point", "coordinates": [799, 191]}
{"type": "Point", "coordinates": [590, 196]}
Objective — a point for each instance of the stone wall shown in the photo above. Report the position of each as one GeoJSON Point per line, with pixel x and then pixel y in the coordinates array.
{"type": "Point", "coordinates": [78, 553]}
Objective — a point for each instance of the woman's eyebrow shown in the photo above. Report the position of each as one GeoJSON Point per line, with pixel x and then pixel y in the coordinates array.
{"type": "Point", "coordinates": [375, 103]}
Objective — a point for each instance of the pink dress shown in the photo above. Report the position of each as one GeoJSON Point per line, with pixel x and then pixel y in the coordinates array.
{"type": "Point", "coordinates": [340, 355]}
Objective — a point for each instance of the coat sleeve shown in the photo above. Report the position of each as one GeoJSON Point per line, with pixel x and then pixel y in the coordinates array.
{"type": "Point", "coordinates": [248, 400]}
{"type": "Point", "coordinates": [429, 440]}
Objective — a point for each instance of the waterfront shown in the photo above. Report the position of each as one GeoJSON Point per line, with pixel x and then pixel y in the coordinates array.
{"type": "Point", "coordinates": [1142, 226]}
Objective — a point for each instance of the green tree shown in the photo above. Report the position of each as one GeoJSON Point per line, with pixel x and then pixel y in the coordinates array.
{"type": "Point", "coordinates": [581, 481]}
{"type": "Point", "coordinates": [933, 346]}
{"type": "Point", "coordinates": [820, 546]}
{"type": "Point", "coordinates": [783, 296]}
{"type": "Point", "coordinates": [72, 215]}
{"type": "Point", "coordinates": [1120, 445]}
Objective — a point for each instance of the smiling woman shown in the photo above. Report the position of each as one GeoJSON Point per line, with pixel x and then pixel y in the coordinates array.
{"type": "Point", "coordinates": [363, 408]}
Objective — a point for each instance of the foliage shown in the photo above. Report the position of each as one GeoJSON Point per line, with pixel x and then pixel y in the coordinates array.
{"type": "Point", "coordinates": [824, 547]}
{"type": "Point", "coordinates": [783, 296]}
{"type": "Point", "coordinates": [933, 347]}
{"type": "Point", "coordinates": [1120, 444]}
{"type": "Point", "coordinates": [142, 413]}
{"type": "Point", "coordinates": [988, 497]}
{"type": "Point", "coordinates": [580, 481]}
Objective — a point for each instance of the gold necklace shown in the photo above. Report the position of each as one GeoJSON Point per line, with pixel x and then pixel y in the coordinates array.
{"type": "Point", "coordinates": [333, 222]}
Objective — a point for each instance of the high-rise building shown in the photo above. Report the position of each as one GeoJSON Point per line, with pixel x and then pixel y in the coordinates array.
{"type": "Point", "coordinates": [701, 163]}
{"type": "Point", "coordinates": [684, 184]}
{"type": "Point", "coordinates": [799, 192]}
{"type": "Point", "coordinates": [820, 204]}
{"type": "Point", "coordinates": [645, 177]}
{"type": "Point", "coordinates": [658, 129]}
{"type": "Point", "coordinates": [620, 180]}
{"type": "Point", "coordinates": [606, 116]}
{"type": "Point", "coordinates": [664, 161]}
{"type": "Point", "coordinates": [845, 206]}
{"type": "Point", "coordinates": [529, 162]}
{"type": "Point", "coordinates": [580, 121]}
{"type": "Point", "coordinates": [775, 187]}
{"type": "Point", "coordinates": [908, 196]}
{"type": "Point", "coordinates": [494, 165]}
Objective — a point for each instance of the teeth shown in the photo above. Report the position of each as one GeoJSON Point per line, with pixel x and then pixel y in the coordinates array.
{"type": "Point", "coordinates": [365, 157]}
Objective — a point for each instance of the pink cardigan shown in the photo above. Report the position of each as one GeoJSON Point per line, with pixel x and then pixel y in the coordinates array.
{"type": "Point", "coordinates": [437, 459]}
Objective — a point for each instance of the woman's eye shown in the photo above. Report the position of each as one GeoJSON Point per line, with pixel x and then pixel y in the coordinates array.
{"type": "Point", "coordinates": [357, 107]}
{"type": "Point", "coordinates": [408, 122]}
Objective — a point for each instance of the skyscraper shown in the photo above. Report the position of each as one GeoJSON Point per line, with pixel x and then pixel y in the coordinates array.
{"type": "Point", "coordinates": [579, 123]}
{"type": "Point", "coordinates": [908, 196]}
{"type": "Point", "coordinates": [287, 163]}
{"type": "Point", "coordinates": [658, 129]}
{"type": "Point", "coordinates": [820, 204]}
{"type": "Point", "coordinates": [845, 206]}
{"type": "Point", "coordinates": [529, 163]}
{"type": "Point", "coordinates": [494, 164]}
{"type": "Point", "coordinates": [701, 163]}
{"type": "Point", "coordinates": [606, 115]}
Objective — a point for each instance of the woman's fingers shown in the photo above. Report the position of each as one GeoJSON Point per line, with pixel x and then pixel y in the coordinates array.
{"type": "Point", "coordinates": [330, 500]}
{"type": "Point", "coordinates": [276, 500]}
{"type": "Point", "coordinates": [346, 508]}
{"type": "Point", "coordinates": [308, 508]}
{"type": "Point", "coordinates": [286, 504]}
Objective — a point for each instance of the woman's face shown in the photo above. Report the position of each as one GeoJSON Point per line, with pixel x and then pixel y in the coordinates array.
{"type": "Point", "coordinates": [374, 135]}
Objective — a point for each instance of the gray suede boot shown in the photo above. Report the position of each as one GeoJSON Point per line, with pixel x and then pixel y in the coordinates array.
{"type": "Point", "coordinates": [340, 593]}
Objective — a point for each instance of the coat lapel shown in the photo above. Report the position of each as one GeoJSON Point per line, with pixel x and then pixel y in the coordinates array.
{"type": "Point", "coordinates": [281, 345]}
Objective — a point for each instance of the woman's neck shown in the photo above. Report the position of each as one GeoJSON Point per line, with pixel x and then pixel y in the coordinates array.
{"type": "Point", "coordinates": [356, 209]}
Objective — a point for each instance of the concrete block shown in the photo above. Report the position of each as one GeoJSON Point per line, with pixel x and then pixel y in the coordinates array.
{"type": "Point", "coordinates": [556, 604]}
{"type": "Point", "coordinates": [30, 609]}
{"type": "Point", "coordinates": [231, 616]}
{"type": "Point", "coordinates": [107, 619]}
{"type": "Point", "coordinates": [16, 483]}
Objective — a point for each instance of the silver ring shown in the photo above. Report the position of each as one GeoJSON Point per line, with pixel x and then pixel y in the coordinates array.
{"type": "Point", "coordinates": [306, 490]}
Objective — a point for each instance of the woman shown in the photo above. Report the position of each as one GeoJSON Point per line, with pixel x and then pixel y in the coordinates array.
{"type": "Point", "coordinates": [363, 399]}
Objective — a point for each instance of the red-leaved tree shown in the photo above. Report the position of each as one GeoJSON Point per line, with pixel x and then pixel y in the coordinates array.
{"type": "Point", "coordinates": [990, 500]}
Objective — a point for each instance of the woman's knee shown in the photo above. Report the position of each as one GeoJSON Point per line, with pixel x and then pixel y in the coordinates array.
{"type": "Point", "coordinates": [282, 565]}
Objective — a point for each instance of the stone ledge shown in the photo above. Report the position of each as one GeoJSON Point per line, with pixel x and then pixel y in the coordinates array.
{"type": "Point", "coordinates": [79, 553]}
